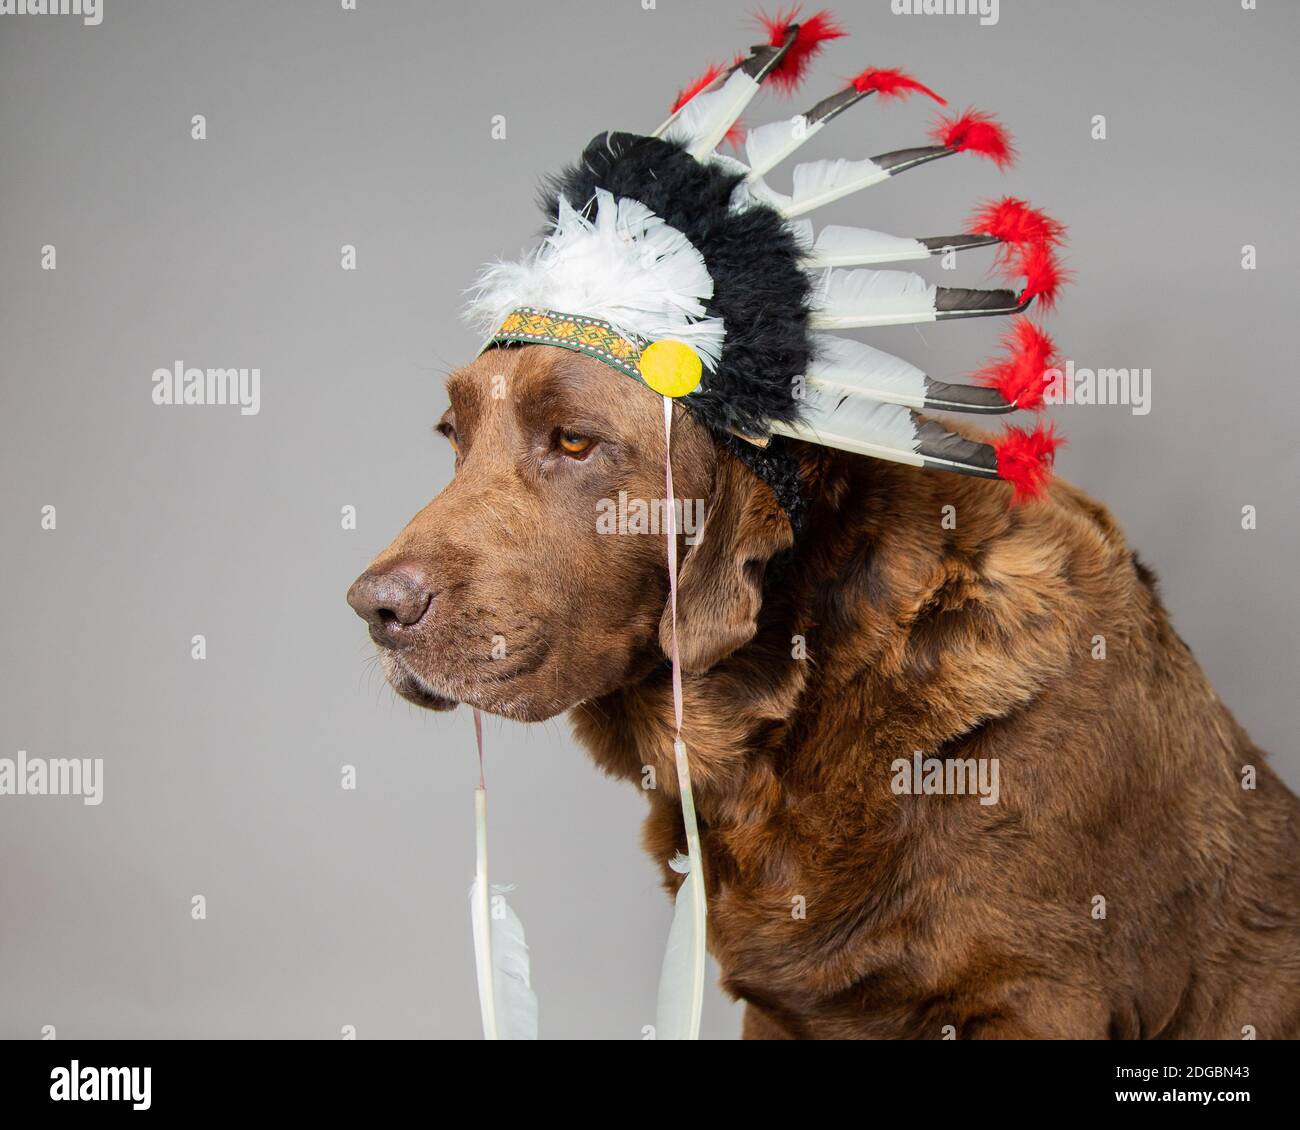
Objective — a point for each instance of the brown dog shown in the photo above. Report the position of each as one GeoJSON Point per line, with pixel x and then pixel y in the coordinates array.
{"type": "Point", "coordinates": [1139, 873]}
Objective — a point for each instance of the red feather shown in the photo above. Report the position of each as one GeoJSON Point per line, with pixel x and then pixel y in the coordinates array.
{"type": "Point", "coordinates": [812, 33]}
{"type": "Point", "coordinates": [891, 83]}
{"type": "Point", "coordinates": [736, 134]}
{"type": "Point", "coordinates": [979, 132]}
{"type": "Point", "coordinates": [1020, 376]}
{"type": "Point", "coordinates": [1025, 459]}
{"type": "Point", "coordinates": [1043, 275]}
{"type": "Point", "coordinates": [707, 79]}
{"type": "Point", "coordinates": [1014, 221]}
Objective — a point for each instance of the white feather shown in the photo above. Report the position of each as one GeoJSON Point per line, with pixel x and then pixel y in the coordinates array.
{"type": "Point", "coordinates": [862, 297]}
{"type": "Point", "coordinates": [703, 122]}
{"type": "Point", "coordinates": [506, 998]}
{"type": "Point", "coordinates": [673, 1015]}
{"type": "Point", "coordinates": [627, 267]}
{"type": "Point", "coordinates": [850, 422]}
{"type": "Point", "coordinates": [681, 981]}
{"type": "Point", "coordinates": [848, 365]}
{"type": "Point", "coordinates": [768, 145]}
{"type": "Point", "coordinates": [750, 192]}
{"type": "Point", "coordinates": [819, 182]}
{"type": "Point", "coordinates": [839, 246]}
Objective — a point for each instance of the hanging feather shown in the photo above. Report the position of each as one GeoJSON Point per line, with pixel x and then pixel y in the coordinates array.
{"type": "Point", "coordinates": [681, 979]}
{"type": "Point", "coordinates": [810, 35]}
{"type": "Point", "coordinates": [1021, 375]}
{"type": "Point", "coordinates": [506, 998]}
{"type": "Point", "coordinates": [627, 267]}
{"type": "Point", "coordinates": [769, 145]}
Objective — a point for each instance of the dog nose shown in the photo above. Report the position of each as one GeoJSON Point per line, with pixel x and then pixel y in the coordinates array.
{"type": "Point", "coordinates": [390, 602]}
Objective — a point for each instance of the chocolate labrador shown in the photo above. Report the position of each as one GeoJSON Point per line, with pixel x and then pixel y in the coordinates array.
{"type": "Point", "coordinates": [956, 774]}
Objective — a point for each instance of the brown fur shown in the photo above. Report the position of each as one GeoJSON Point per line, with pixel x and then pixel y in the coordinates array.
{"type": "Point", "coordinates": [1119, 777]}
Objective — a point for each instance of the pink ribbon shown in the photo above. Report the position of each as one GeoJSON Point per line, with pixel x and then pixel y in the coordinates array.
{"type": "Point", "coordinates": [672, 561]}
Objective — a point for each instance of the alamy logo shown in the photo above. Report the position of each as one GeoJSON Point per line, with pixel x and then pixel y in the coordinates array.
{"type": "Point", "coordinates": [101, 1084]}
{"type": "Point", "coordinates": [641, 516]}
{"type": "Point", "coordinates": [90, 11]}
{"type": "Point", "coordinates": [59, 776]}
{"type": "Point", "coordinates": [179, 385]}
{"type": "Point", "coordinates": [987, 10]}
{"type": "Point", "coordinates": [949, 776]}
{"type": "Point", "coordinates": [1099, 386]}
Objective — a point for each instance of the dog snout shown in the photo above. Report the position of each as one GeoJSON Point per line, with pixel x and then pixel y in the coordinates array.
{"type": "Point", "coordinates": [392, 602]}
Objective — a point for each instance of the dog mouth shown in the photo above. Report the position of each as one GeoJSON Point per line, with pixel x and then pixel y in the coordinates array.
{"type": "Point", "coordinates": [500, 694]}
{"type": "Point", "coordinates": [414, 687]}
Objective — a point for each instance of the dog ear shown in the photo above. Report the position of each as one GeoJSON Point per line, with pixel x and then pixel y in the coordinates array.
{"type": "Point", "coordinates": [720, 584]}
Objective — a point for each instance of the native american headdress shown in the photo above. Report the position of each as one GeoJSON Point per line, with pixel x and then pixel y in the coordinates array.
{"type": "Point", "coordinates": [683, 268]}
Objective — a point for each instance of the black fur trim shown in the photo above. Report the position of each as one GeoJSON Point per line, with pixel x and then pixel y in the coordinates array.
{"type": "Point", "coordinates": [760, 291]}
{"type": "Point", "coordinates": [777, 467]}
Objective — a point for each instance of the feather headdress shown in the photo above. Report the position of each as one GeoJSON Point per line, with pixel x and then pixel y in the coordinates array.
{"type": "Point", "coordinates": [660, 237]}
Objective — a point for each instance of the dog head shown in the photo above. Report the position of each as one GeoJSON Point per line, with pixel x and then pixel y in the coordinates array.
{"type": "Point", "coordinates": [537, 579]}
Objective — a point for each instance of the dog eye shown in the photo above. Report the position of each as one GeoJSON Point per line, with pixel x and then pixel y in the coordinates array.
{"type": "Point", "coordinates": [573, 443]}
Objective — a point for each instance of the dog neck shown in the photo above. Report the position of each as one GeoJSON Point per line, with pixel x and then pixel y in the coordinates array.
{"type": "Point", "coordinates": [912, 606]}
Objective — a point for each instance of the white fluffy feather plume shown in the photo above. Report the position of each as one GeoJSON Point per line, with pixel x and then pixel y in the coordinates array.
{"type": "Point", "coordinates": [863, 297]}
{"type": "Point", "coordinates": [627, 267]}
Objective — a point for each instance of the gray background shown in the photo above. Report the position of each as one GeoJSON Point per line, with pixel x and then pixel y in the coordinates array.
{"type": "Point", "coordinates": [326, 127]}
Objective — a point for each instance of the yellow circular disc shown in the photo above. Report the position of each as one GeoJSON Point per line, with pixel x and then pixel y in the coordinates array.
{"type": "Point", "coordinates": [671, 368]}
